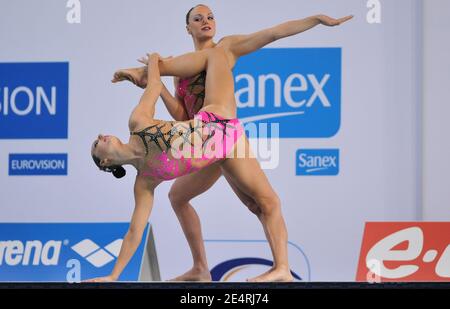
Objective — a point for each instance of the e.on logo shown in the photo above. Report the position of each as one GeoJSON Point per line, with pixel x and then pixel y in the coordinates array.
{"type": "Point", "coordinates": [405, 251]}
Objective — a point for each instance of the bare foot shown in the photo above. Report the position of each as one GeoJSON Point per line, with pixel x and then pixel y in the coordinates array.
{"type": "Point", "coordinates": [194, 275]}
{"type": "Point", "coordinates": [274, 275]}
{"type": "Point", "coordinates": [137, 76]}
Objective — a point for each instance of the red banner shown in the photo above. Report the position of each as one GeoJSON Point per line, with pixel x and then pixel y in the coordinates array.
{"type": "Point", "coordinates": [405, 251]}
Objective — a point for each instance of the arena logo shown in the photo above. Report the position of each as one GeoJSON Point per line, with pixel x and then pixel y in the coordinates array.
{"type": "Point", "coordinates": [299, 88]}
{"type": "Point", "coordinates": [32, 254]}
{"type": "Point", "coordinates": [317, 162]}
{"type": "Point", "coordinates": [34, 100]}
{"type": "Point", "coordinates": [15, 252]}
{"type": "Point", "coordinates": [95, 255]}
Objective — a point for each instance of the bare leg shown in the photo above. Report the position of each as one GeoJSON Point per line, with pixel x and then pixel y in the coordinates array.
{"type": "Point", "coordinates": [251, 185]}
{"type": "Point", "coordinates": [245, 173]}
{"type": "Point", "coordinates": [183, 190]}
{"type": "Point", "coordinates": [219, 85]}
{"type": "Point", "coordinates": [251, 204]}
{"type": "Point", "coordinates": [137, 76]}
{"type": "Point", "coordinates": [186, 65]}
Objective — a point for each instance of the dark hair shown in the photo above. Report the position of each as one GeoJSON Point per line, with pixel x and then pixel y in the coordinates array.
{"type": "Point", "coordinates": [117, 170]}
{"type": "Point", "coordinates": [189, 12]}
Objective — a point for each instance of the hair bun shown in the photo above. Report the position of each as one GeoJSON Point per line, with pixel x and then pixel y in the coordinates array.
{"type": "Point", "coordinates": [119, 172]}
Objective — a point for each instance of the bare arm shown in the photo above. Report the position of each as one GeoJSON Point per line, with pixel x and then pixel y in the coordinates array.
{"type": "Point", "coordinates": [143, 194]}
{"type": "Point", "coordinates": [146, 107]}
{"type": "Point", "coordinates": [173, 104]}
{"type": "Point", "coordinates": [240, 45]}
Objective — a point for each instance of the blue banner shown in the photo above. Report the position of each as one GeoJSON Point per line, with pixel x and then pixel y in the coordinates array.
{"type": "Point", "coordinates": [317, 162]}
{"type": "Point", "coordinates": [35, 164]}
{"type": "Point", "coordinates": [34, 100]}
{"type": "Point", "coordinates": [299, 88]}
{"type": "Point", "coordinates": [64, 251]}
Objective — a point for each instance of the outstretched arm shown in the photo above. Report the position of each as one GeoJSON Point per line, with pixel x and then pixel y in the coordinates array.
{"type": "Point", "coordinates": [240, 45]}
{"type": "Point", "coordinates": [143, 205]}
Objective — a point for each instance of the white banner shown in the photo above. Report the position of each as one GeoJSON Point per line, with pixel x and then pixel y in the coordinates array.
{"type": "Point", "coordinates": [366, 74]}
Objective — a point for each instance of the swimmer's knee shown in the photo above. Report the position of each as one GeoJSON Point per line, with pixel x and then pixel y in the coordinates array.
{"type": "Point", "coordinates": [217, 51]}
{"type": "Point", "coordinates": [177, 198]}
{"type": "Point", "coordinates": [253, 207]}
{"type": "Point", "coordinates": [268, 204]}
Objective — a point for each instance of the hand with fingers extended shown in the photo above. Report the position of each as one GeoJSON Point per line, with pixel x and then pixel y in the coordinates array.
{"type": "Point", "coordinates": [156, 56]}
{"type": "Point", "coordinates": [331, 22]}
{"type": "Point", "coordinates": [151, 60]}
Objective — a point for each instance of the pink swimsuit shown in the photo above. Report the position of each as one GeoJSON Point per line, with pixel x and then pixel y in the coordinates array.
{"type": "Point", "coordinates": [192, 92]}
{"type": "Point", "coordinates": [185, 147]}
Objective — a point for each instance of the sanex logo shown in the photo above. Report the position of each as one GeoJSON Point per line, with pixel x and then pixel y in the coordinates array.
{"type": "Point", "coordinates": [317, 162]}
{"type": "Point", "coordinates": [299, 88]}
